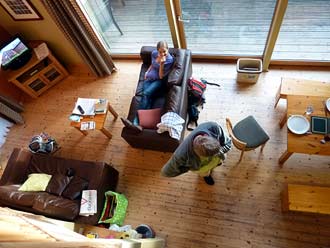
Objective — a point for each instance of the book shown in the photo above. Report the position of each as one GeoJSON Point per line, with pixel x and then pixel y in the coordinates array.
{"type": "Point", "coordinates": [87, 125]}
{"type": "Point", "coordinates": [88, 203]}
{"type": "Point", "coordinates": [100, 106]}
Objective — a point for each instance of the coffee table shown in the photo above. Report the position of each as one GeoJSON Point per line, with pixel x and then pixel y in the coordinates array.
{"type": "Point", "coordinates": [99, 120]}
{"type": "Point", "coordinates": [305, 143]}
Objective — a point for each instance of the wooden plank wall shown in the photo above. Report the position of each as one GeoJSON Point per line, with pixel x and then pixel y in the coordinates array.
{"type": "Point", "coordinates": [242, 209]}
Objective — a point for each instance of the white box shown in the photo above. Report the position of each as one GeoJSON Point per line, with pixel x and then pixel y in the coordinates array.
{"type": "Point", "coordinates": [248, 70]}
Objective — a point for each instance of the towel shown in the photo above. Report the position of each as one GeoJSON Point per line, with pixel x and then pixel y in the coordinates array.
{"type": "Point", "coordinates": [171, 122]}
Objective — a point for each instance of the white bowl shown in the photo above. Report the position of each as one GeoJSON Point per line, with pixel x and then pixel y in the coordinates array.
{"type": "Point", "coordinates": [327, 103]}
{"type": "Point", "coordinates": [298, 124]}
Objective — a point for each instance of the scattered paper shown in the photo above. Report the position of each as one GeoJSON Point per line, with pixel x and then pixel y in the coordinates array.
{"type": "Point", "coordinates": [87, 125]}
{"type": "Point", "coordinates": [41, 51]}
{"type": "Point", "coordinates": [87, 104]}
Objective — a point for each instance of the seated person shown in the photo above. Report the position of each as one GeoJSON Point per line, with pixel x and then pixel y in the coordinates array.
{"type": "Point", "coordinates": [154, 80]}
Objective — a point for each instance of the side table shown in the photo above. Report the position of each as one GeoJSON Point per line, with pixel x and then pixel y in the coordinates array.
{"type": "Point", "coordinates": [99, 120]}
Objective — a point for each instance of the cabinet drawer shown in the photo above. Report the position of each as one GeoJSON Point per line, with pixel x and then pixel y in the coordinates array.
{"type": "Point", "coordinates": [37, 85]}
{"type": "Point", "coordinates": [33, 71]}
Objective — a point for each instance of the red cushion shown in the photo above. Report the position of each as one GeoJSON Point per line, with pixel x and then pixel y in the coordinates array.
{"type": "Point", "coordinates": [149, 118]}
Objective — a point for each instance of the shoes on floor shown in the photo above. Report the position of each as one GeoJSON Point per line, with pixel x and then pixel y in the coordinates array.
{"type": "Point", "coordinates": [209, 180]}
{"type": "Point", "coordinates": [130, 125]}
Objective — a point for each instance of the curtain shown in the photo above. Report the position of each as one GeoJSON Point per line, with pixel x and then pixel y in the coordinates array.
{"type": "Point", "coordinates": [70, 19]}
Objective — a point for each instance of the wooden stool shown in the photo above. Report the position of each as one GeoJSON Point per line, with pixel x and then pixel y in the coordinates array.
{"type": "Point", "coordinates": [306, 198]}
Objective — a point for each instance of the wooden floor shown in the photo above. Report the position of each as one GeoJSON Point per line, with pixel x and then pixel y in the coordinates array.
{"type": "Point", "coordinates": [222, 27]}
{"type": "Point", "coordinates": [242, 209]}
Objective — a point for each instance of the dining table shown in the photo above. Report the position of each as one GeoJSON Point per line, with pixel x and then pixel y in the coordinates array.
{"type": "Point", "coordinates": [308, 142]}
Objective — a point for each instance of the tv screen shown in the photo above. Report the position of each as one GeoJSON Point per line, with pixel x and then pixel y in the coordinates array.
{"type": "Point", "coordinates": [14, 54]}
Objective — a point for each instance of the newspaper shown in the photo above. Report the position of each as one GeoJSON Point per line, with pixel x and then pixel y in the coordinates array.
{"type": "Point", "coordinates": [88, 204]}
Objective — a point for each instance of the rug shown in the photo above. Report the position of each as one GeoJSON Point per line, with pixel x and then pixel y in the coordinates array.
{"type": "Point", "coordinates": [4, 129]}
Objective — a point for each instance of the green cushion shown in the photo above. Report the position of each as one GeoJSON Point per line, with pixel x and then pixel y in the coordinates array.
{"type": "Point", "coordinates": [249, 131]}
{"type": "Point", "coordinates": [36, 182]}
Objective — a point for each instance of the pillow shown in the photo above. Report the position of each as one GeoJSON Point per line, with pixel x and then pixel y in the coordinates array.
{"type": "Point", "coordinates": [149, 118]}
{"type": "Point", "coordinates": [36, 182]}
{"type": "Point", "coordinates": [57, 184]}
{"type": "Point", "coordinates": [75, 187]}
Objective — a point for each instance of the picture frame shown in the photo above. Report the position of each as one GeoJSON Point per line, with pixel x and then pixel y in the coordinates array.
{"type": "Point", "coordinates": [21, 10]}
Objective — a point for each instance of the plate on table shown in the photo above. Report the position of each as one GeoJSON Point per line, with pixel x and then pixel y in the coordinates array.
{"type": "Point", "coordinates": [298, 124]}
{"type": "Point", "coordinates": [327, 103]}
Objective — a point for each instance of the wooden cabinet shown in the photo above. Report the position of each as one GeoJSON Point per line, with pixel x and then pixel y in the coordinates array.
{"type": "Point", "coordinates": [39, 74]}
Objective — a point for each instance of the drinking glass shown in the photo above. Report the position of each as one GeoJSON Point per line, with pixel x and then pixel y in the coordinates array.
{"type": "Point", "coordinates": [309, 109]}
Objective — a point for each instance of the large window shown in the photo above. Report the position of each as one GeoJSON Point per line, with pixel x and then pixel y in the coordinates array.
{"type": "Point", "coordinates": [227, 27]}
{"type": "Point", "coordinates": [126, 25]}
{"type": "Point", "coordinates": [305, 32]}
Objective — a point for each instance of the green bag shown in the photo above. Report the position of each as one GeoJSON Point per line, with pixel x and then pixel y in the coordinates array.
{"type": "Point", "coordinates": [114, 210]}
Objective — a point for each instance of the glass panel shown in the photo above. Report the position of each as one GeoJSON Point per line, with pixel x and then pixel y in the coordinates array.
{"type": "Point", "coordinates": [305, 32]}
{"type": "Point", "coordinates": [227, 27]}
{"type": "Point", "coordinates": [37, 85]}
{"type": "Point", "coordinates": [52, 74]}
{"type": "Point", "coordinates": [126, 25]}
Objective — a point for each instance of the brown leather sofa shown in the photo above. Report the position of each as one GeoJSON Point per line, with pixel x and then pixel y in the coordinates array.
{"type": "Point", "coordinates": [87, 175]}
{"type": "Point", "coordinates": [173, 99]}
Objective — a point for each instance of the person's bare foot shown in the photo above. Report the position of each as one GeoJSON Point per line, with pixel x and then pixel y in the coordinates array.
{"type": "Point", "coordinates": [130, 125]}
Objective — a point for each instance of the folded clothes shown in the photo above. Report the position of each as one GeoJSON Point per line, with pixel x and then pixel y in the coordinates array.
{"type": "Point", "coordinates": [172, 123]}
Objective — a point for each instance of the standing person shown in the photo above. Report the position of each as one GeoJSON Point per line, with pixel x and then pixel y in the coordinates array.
{"type": "Point", "coordinates": [161, 64]}
{"type": "Point", "coordinates": [201, 151]}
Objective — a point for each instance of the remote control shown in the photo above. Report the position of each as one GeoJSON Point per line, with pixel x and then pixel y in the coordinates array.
{"type": "Point", "coordinates": [81, 109]}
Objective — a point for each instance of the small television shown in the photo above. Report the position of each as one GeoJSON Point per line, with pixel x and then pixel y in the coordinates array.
{"type": "Point", "coordinates": [14, 54]}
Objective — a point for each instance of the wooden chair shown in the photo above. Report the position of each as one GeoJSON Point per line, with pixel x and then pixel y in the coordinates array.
{"type": "Point", "coordinates": [247, 135]}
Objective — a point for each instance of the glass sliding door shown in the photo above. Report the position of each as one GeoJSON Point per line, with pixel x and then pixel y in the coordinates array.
{"type": "Point", "coordinates": [230, 28]}
{"type": "Point", "coordinates": [305, 32]}
{"type": "Point", "coordinates": [126, 25]}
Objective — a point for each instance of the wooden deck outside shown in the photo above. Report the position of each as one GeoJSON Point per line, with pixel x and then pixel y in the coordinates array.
{"type": "Point", "coordinates": [223, 27]}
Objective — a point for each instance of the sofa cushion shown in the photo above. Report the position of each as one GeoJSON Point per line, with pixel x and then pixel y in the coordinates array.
{"type": "Point", "coordinates": [149, 118]}
{"type": "Point", "coordinates": [56, 206]}
{"type": "Point", "coordinates": [176, 74]}
{"type": "Point", "coordinates": [57, 184]}
{"type": "Point", "coordinates": [10, 195]}
{"type": "Point", "coordinates": [173, 99]}
{"type": "Point", "coordinates": [75, 187]}
{"type": "Point", "coordinates": [36, 182]}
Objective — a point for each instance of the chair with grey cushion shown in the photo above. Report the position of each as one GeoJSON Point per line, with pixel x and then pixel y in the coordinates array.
{"type": "Point", "coordinates": [247, 134]}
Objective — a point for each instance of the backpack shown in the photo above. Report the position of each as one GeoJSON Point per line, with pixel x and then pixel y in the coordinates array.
{"type": "Point", "coordinates": [196, 89]}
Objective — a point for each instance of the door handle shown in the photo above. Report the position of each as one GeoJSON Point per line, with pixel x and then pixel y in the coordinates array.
{"type": "Point", "coordinates": [182, 20]}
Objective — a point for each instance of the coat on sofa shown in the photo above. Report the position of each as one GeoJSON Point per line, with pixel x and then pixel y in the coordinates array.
{"type": "Point", "coordinates": [173, 99]}
{"type": "Point", "coordinates": [88, 175]}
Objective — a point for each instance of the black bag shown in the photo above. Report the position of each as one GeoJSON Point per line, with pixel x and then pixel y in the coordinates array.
{"type": "Point", "coordinates": [193, 115]}
{"type": "Point", "coordinates": [43, 143]}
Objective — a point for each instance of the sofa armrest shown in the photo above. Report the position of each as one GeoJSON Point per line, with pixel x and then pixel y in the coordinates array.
{"type": "Point", "coordinates": [16, 168]}
{"type": "Point", "coordinates": [145, 54]}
